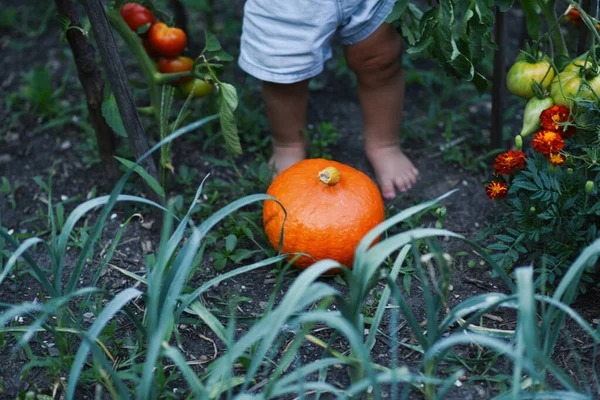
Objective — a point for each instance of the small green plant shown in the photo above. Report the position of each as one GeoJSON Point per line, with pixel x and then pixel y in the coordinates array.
{"type": "Point", "coordinates": [8, 17]}
{"type": "Point", "coordinates": [38, 91]}
{"type": "Point", "coordinates": [230, 253]}
{"type": "Point", "coordinates": [9, 190]}
{"type": "Point", "coordinates": [321, 140]}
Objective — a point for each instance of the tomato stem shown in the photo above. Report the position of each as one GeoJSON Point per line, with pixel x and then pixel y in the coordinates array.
{"type": "Point", "coordinates": [161, 78]}
{"type": "Point", "coordinates": [547, 8]}
{"type": "Point", "coordinates": [134, 43]}
{"type": "Point", "coordinates": [591, 25]}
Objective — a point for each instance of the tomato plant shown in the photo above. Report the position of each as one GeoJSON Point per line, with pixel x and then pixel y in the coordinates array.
{"type": "Point", "coordinates": [174, 65]}
{"type": "Point", "coordinates": [528, 71]}
{"type": "Point", "coordinates": [168, 74]}
{"type": "Point", "coordinates": [148, 47]}
{"type": "Point", "coordinates": [196, 87]}
{"type": "Point", "coordinates": [167, 41]}
{"type": "Point", "coordinates": [580, 78]}
{"type": "Point", "coordinates": [531, 115]}
{"type": "Point", "coordinates": [548, 185]}
{"type": "Point", "coordinates": [136, 15]}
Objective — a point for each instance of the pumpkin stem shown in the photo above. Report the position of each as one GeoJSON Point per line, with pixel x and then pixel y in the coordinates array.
{"type": "Point", "coordinates": [330, 176]}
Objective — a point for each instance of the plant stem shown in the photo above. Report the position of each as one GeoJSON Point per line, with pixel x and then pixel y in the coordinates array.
{"type": "Point", "coordinates": [146, 64]}
{"type": "Point", "coordinates": [429, 373]}
{"type": "Point", "coordinates": [547, 8]}
{"type": "Point", "coordinates": [166, 78]}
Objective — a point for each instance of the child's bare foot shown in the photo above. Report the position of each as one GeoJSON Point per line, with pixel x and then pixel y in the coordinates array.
{"type": "Point", "coordinates": [393, 170]}
{"type": "Point", "coordinates": [286, 156]}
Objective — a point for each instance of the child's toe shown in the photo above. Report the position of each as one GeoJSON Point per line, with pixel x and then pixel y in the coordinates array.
{"type": "Point", "coordinates": [387, 189]}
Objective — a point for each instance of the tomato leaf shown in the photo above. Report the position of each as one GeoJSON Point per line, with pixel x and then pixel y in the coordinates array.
{"type": "Point", "coordinates": [110, 112]}
{"type": "Point", "coordinates": [481, 82]}
{"type": "Point", "coordinates": [533, 20]}
{"type": "Point", "coordinates": [398, 10]}
{"type": "Point", "coordinates": [228, 102]}
{"type": "Point", "coordinates": [504, 5]}
{"type": "Point", "coordinates": [153, 183]}
{"type": "Point", "coordinates": [224, 56]}
{"type": "Point", "coordinates": [455, 34]}
{"type": "Point", "coordinates": [561, 61]}
{"type": "Point", "coordinates": [144, 28]}
{"type": "Point", "coordinates": [212, 43]}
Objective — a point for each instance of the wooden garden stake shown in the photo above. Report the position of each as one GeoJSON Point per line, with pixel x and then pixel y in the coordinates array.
{"type": "Point", "coordinates": [120, 87]}
{"type": "Point", "coordinates": [93, 85]}
{"type": "Point", "coordinates": [498, 83]}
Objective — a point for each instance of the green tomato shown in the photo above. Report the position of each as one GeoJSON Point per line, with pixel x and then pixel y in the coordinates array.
{"type": "Point", "coordinates": [570, 83]}
{"type": "Point", "coordinates": [531, 115]}
{"type": "Point", "coordinates": [522, 74]}
{"type": "Point", "coordinates": [201, 88]}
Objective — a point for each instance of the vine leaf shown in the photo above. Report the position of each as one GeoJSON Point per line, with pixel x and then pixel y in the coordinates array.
{"type": "Point", "coordinates": [228, 102]}
{"type": "Point", "coordinates": [455, 33]}
{"type": "Point", "coordinates": [110, 112]}
{"type": "Point", "coordinates": [533, 20]}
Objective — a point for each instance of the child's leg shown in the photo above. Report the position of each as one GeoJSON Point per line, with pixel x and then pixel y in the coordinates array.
{"type": "Point", "coordinates": [286, 105]}
{"type": "Point", "coordinates": [378, 67]}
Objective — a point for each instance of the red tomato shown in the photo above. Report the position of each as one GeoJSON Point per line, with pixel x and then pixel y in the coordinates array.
{"type": "Point", "coordinates": [136, 15]}
{"type": "Point", "coordinates": [168, 41]}
{"type": "Point", "coordinates": [175, 65]}
{"type": "Point", "coordinates": [149, 49]}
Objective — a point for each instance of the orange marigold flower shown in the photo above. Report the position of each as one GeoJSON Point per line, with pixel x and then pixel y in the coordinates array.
{"type": "Point", "coordinates": [552, 119]}
{"type": "Point", "coordinates": [496, 190]}
{"type": "Point", "coordinates": [547, 142]}
{"type": "Point", "coordinates": [574, 16]}
{"type": "Point", "coordinates": [507, 163]}
{"type": "Point", "coordinates": [556, 158]}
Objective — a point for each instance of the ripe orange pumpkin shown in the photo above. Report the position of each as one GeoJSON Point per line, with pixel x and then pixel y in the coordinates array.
{"type": "Point", "coordinates": [330, 207]}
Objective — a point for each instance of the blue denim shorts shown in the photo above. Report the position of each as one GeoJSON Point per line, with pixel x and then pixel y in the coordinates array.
{"type": "Point", "coordinates": [287, 41]}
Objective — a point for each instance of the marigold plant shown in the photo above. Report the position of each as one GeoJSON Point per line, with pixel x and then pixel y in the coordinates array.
{"type": "Point", "coordinates": [496, 190]}
{"type": "Point", "coordinates": [555, 119]}
{"type": "Point", "coordinates": [556, 158]}
{"type": "Point", "coordinates": [547, 142]}
{"type": "Point", "coordinates": [553, 212]}
{"type": "Point", "coordinates": [509, 162]}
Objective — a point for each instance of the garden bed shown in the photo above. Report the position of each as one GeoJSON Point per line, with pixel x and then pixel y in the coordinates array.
{"type": "Point", "coordinates": [448, 159]}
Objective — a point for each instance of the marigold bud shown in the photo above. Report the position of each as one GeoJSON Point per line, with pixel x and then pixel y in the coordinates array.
{"type": "Point", "coordinates": [589, 186]}
{"type": "Point", "coordinates": [519, 142]}
{"type": "Point", "coordinates": [570, 171]}
{"type": "Point", "coordinates": [532, 209]}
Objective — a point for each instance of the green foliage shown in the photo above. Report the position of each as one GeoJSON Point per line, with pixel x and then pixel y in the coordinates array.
{"type": "Point", "coordinates": [37, 90]}
{"type": "Point", "coordinates": [110, 112]}
{"type": "Point", "coordinates": [8, 17]}
{"type": "Point", "coordinates": [552, 216]}
{"type": "Point", "coordinates": [166, 300]}
{"type": "Point", "coordinates": [321, 139]}
{"type": "Point", "coordinates": [9, 190]}
{"type": "Point", "coordinates": [455, 33]}
{"type": "Point", "coordinates": [29, 22]}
